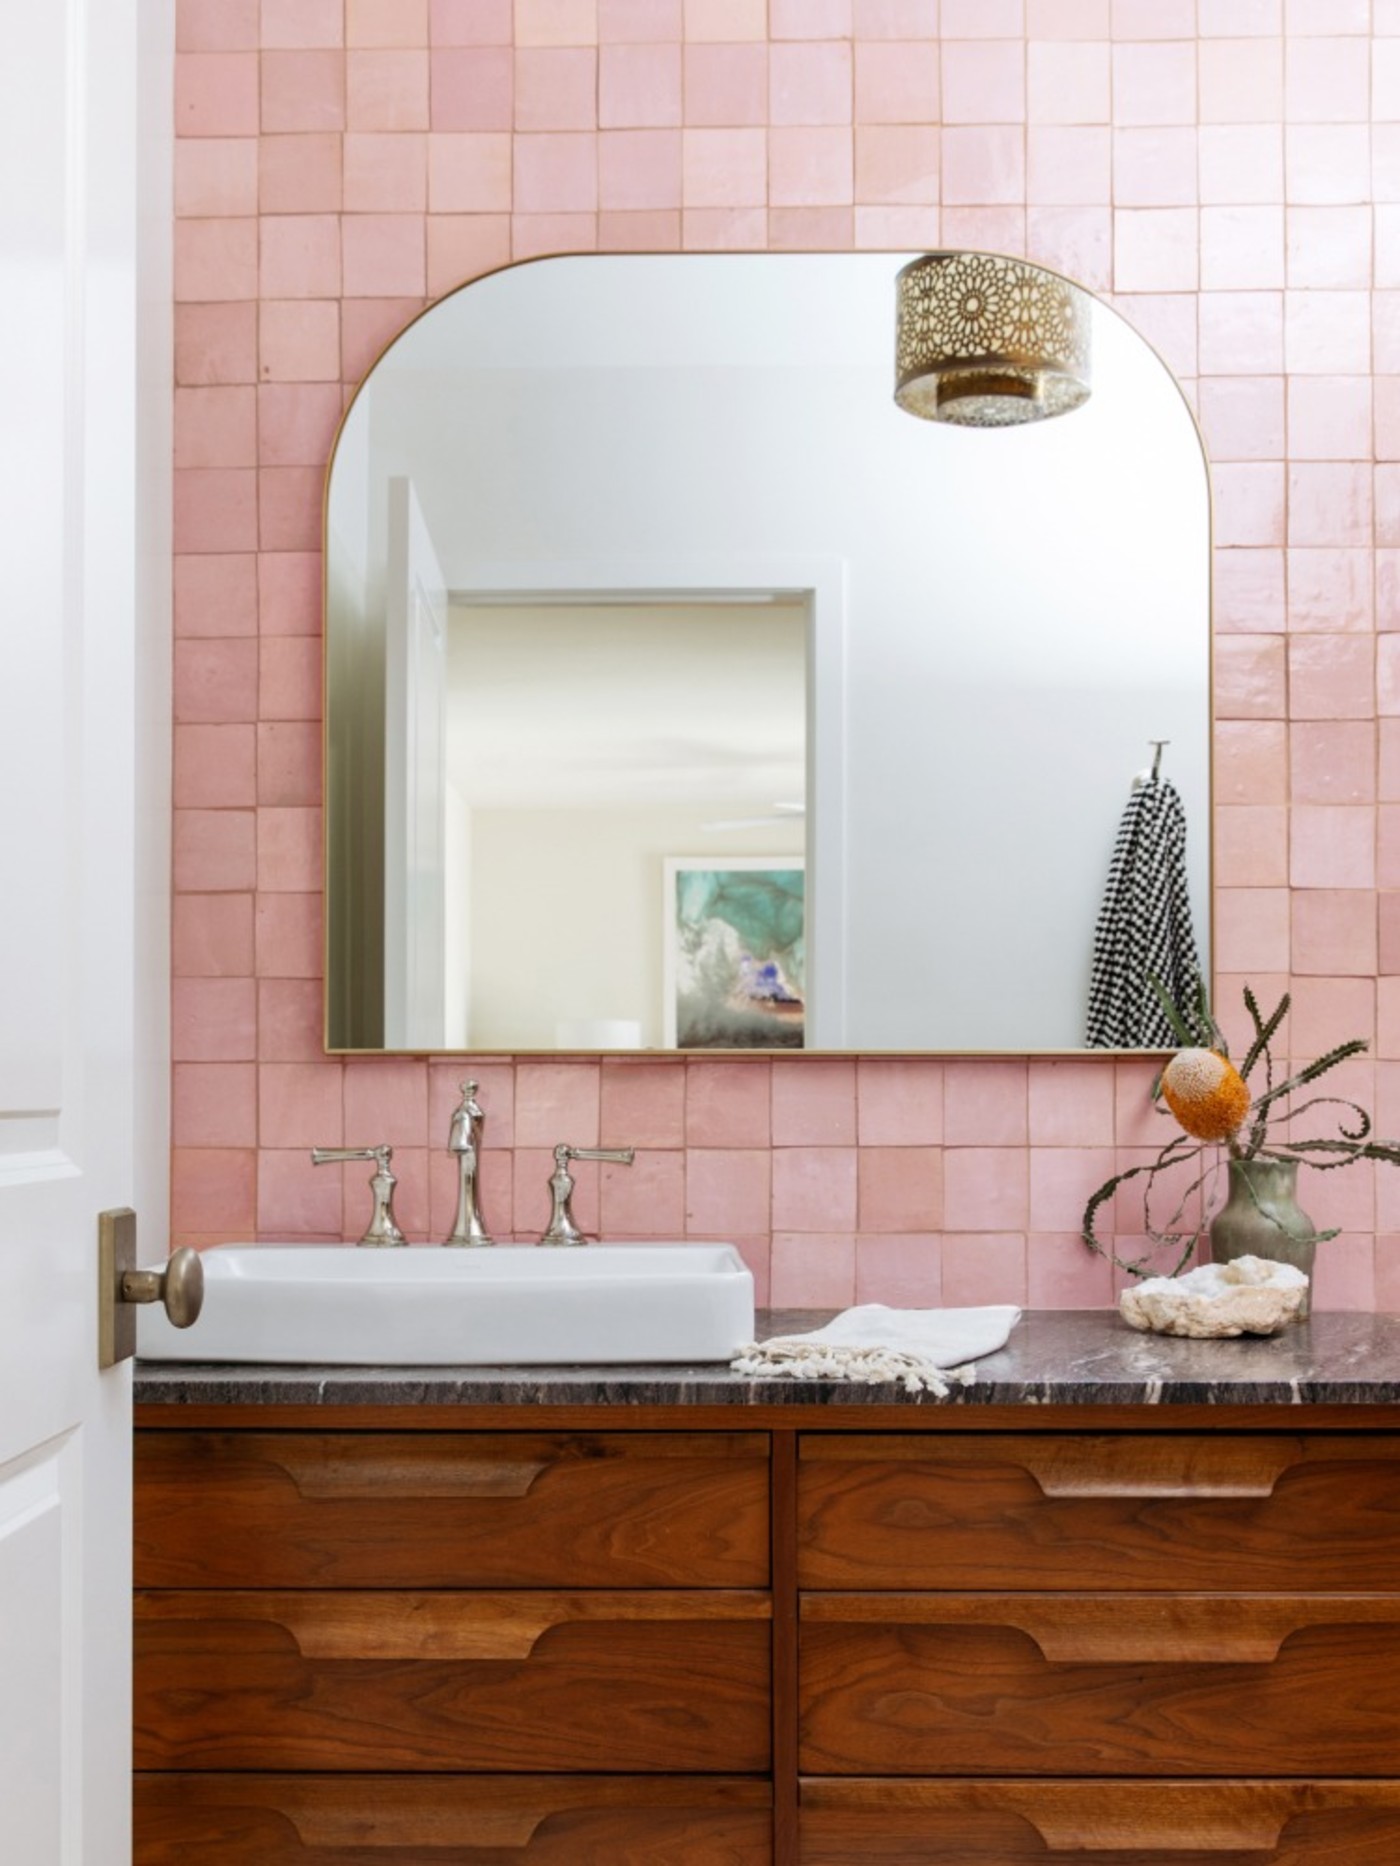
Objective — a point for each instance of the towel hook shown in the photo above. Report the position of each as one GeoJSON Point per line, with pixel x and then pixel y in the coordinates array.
{"type": "Point", "coordinates": [1145, 778]}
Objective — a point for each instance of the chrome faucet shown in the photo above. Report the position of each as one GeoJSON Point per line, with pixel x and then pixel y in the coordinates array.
{"type": "Point", "coordinates": [464, 1140]}
{"type": "Point", "coordinates": [561, 1228]}
{"type": "Point", "coordinates": [382, 1228]}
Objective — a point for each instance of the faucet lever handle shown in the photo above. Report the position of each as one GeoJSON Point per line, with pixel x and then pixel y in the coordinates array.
{"type": "Point", "coordinates": [620, 1156]}
{"type": "Point", "coordinates": [382, 1227]}
{"type": "Point", "coordinates": [562, 1228]}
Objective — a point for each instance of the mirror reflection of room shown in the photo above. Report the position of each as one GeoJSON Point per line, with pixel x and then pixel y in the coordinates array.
{"type": "Point", "coordinates": [569, 495]}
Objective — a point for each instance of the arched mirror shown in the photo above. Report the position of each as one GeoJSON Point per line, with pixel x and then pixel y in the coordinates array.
{"type": "Point", "coordinates": [682, 691]}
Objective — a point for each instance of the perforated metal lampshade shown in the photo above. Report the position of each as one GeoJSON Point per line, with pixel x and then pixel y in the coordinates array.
{"type": "Point", "coordinates": [989, 342]}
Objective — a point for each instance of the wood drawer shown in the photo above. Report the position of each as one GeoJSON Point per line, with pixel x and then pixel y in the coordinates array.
{"type": "Point", "coordinates": [1101, 1823]}
{"type": "Point", "coordinates": [521, 1682]}
{"type": "Point", "coordinates": [372, 1820]}
{"type": "Point", "coordinates": [439, 1509]}
{"type": "Point", "coordinates": [1062, 1684]}
{"type": "Point", "coordinates": [1238, 1512]}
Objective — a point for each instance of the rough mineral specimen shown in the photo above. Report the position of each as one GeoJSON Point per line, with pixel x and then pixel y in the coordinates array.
{"type": "Point", "coordinates": [1251, 1296]}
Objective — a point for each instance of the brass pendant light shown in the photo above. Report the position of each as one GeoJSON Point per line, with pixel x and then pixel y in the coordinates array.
{"type": "Point", "coordinates": [989, 342]}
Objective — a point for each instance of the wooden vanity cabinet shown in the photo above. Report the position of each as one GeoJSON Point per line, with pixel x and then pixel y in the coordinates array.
{"type": "Point", "coordinates": [642, 1635]}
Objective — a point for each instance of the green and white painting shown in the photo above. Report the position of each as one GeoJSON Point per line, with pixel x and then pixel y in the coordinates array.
{"type": "Point", "coordinates": [735, 959]}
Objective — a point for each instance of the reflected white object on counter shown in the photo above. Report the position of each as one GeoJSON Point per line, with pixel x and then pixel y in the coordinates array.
{"type": "Point", "coordinates": [1251, 1296]}
{"type": "Point", "coordinates": [510, 1306]}
{"type": "Point", "coordinates": [598, 1033]}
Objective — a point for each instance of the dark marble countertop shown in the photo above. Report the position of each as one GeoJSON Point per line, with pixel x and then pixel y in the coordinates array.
{"type": "Point", "coordinates": [1054, 1358]}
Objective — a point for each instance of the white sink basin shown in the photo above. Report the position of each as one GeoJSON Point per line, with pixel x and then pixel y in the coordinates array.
{"type": "Point", "coordinates": [508, 1306]}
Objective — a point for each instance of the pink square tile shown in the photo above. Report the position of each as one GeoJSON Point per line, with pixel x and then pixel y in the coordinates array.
{"type": "Point", "coordinates": [289, 593]}
{"type": "Point", "coordinates": [1243, 417]}
{"type": "Point", "coordinates": [556, 88]}
{"type": "Point", "coordinates": [809, 19]}
{"type": "Point", "coordinates": [288, 935]}
{"type": "Point", "coordinates": [289, 851]}
{"type": "Point", "coordinates": [1251, 845]}
{"type": "Point", "coordinates": [1329, 163]}
{"type": "Point", "coordinates": [900, 1189]}
{"type": "Point", "coordinates": [983, 1269]}
{"type": "Point", "coordinates": [810, 83]}
{"type": "Point", "coordinates": [1242, 248]}
{"type": "Point", "coordinates": [534, 235]}
{"type": "Point", "coordinates": [1329, 418]}
{"type": "Point", "coordinates": [1249, 590]}
{"type": "Point", "coordinates": [728, 1104]}
{"type": "Point", "coordinates": [368, 326]}
{"type": "Point", "coordinates": [811, 229]}
{"type": "Point", "coordinates": [1071, 1104]}
{"type": "Point", "coordinates": [1388, 763]}
{"type": "Point", "coordinates": [636, 22]}
{"type": "Point", "coordinates": [984, 1188]}
{"type": "Point", "coordinates": [297, 422]}
{"type": "Point", "coordinates": [1252, 929]}
{"type": "Point", "coordinates": [214, 766]}
{"type": "Point", "coordinates": [556, 22]}
{"type": "Point", "coordinates": [1068, 81]}
{"type": "Point", "coordinates": [899, 1103]}
{"type": "Point", "coordinates": [646, 1199]}
{"type": "Point", "coordinates": [1063, 1273]}
{"type": "Point", "coordinates": [469, 174]}
{"type": "Point", "coordinates": [383, 255]}
{"type": "Point", "coordinates": [299, 256]}
{"type": "Point", "coordinates": [1154, 19]}
{"type": "Point", "coordinates": [1388, 674]}
{"type": "Point", "coordinates": [725, 20]}
{"type": "Point", "coordinates": [1155, 167]}
{"type": "Point", "coordinates": [212, 936]}
{"type": "Point", "coordinates": [896, 163]}
{"type": "Point", "coordinates": [289, 762]}
{"type": "Point", "coordinates": [1249, 503]}
{"type": "Point", "coordinates": [216, 94]}
{"type": "Point", "coordinates": [386, 1102]}
{"type": "Point", "coordinates": [1387, 870]}
{"type": "Point", "coordinates": [645, 230]}
{"type": "Point", "coordinates": [214, 851]}
{"type": "Point", "coordinates": [216, 176]}
{"type": "Point", "coordinates": [556, 174]}
{"type": "Point", "coordinates": [897, 229]}
{"type": "Point", "coordinates": [726, 86]}
{"type": "Point", "coordinates": [470, 22]}
{"type": "Point", "coordinates": [1249, 677]}
{"type": "Point", "coordinates": [985, 229]}
{"type": "Point", "coordinates": [212, 1189]}
{"type": "Point", "coordinates": [639, 86]}
{"type": "Point", "coordinates": [214, 1105]}
{"type": "Point", "coordinates": [814, 1189]}
{"type": "Point", "coordinates": [297, 1200]}
{"type": "Point", "coordinates": [215, 509]}
{"type": "Point", "coordinates": [984, 81]}
{"type": "Point", "coordinates": [1066, 167]}
{"type": "Point", "coordinates": [810, 167]}
{"type": "Point", "coordinates": [1156, 249]}
{"type": "Point", "coordinates": [472, 89]}
{"type": "Point", "coordinates": [1068, 19]}
{"type": "Point", "coordinates": [1138, 1121]}
{"type": "Point", "coordinates": [215, 343]}
{"type": "Point", "coordinates": [895, 19]}
{"type": "Point", "coordinates": [905, 1271]}
{"type": "Point", "coordinates": [1332, 847]}
{"type": "Point", "coordinates": [984, 165]}
{"type": "Point", "coordinates": [387, 90]}
{"type": "Point", "coordinates": [1062, 1179]}
{"type": "Point", "coordinates": [1331, 246]}
{"type": "Point", "coordinates": [813, 1272]}
{"type": "Point", "coordinates": [983, 19]}
{"type": "Point", "coordinates": [1242, 164]}
{"type": "Point", "coordinates": [293, 24]}
{"type": "Point", "coordinates": [215, 427]}
{"type": "Point", "coordinates": [386, 22]}
{"type": "Point", "coordinates": [1331, 84]}
{"type": "Point", "coordinates": [897, 82]}
{"type": "Point", "coordinates": [985, 1103]}
{"type": "Point", "coordinates": [727, 1190]}
{"type": "Point", "coordinates": [290, 1019]}
{"type": "Point", "coordinates": [299, 174]}
{"type": "Point", "coordinates": [216, 261]}
{"type": "Point", "coordinates": [558, 1102]}
{"type": "Point", "coordinates": [1327, 333]}
{"type": "Point", "coordinates": [1154, 83]}
{"type": "Point", "coordinates": [644, 1102]}
{"type": "Point", "coordinates": [386, 173]}
{"type": "Point", "coordinates": [1241, 333]}
{"type": "Point", "coordinates": [299, 1105]}
{"type": "Point", "coordinates": [1386, 391]}
{"type": "Point", "coordinates": [216, 25]}
{"type": "Point", "coordinates": [1331, 677]}
{"type": "Point", "coordinates": [1241, 80]}
{"type": "Point", "coordinates": [1074, 240]}
{"type": "Point", "coordinates": [289, 508]}
{"type": "Point", "coordinates": [639, 169]}
{"type": "Point", "coordinates": [814, 1103]}
{"type": "Point", "coordinates": [299, 342]}
{"type": "Point", "coordinates": [213, 1019]}
{"type": "Point", "coordinates": [303, 90]}
{"type": "Point", "coordinates": [1334, 932]}
{"type": "Point", "coordinates": [1231, 19]}
{"type": "Point", "coordinates": [1345, 1276]}
{"type": "Point", "coordinates": [725, 168]}
{"type": "Point", "coordinates": [1333, 761]}
{"type": "Point", "coordinates": [1387, 496]}
{"type": "Point", "coordinates": [215, 682]}
{"type": "Point", "coordinates": [465, 246]}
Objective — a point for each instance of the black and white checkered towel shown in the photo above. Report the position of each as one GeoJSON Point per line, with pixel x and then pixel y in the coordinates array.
{"type": "Point", "coordinates": [1144, 927]}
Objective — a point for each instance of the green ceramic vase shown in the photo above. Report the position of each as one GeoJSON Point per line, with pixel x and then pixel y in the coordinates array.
{"type": "Point", "coordinates": [1262, 1218]}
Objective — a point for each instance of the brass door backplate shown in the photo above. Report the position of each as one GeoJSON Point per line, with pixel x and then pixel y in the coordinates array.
{"type": "Point", "coordinates": [116, 1254]}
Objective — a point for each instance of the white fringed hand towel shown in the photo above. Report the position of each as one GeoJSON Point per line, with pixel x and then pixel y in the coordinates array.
{"type": "Point", "coordinates": [924, 1349]}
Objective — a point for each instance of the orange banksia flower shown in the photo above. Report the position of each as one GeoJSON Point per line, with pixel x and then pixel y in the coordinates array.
{"type": "Point", "coordinates": [1206, 1093]}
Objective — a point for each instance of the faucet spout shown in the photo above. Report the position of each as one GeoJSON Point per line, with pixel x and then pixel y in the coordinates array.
{"type": "Point", "coordinates": [464, 1143]}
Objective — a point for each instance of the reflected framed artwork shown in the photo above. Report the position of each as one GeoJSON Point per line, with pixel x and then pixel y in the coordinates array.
{"type": "Point", "coordinates": [734, 958]}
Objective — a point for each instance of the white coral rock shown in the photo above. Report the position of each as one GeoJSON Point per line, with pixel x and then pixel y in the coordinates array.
{"type": "Point", "coordinates": [1251, 1296]}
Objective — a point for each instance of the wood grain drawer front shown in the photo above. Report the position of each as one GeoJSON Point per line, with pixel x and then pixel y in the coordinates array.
{"type": "Point", "coordinates": [676, 1682]}
{"type": "Point", "coordinates": [241, 1820]}
{"type": "Point", "coordinates": [1273, 1512]}
{"type": "Point", "coordinates": [1100, 1823]}
{"type": "Point", "coordinates": [1062, 1684]}
{"type": "Point", "coordinates": [439, 1509]}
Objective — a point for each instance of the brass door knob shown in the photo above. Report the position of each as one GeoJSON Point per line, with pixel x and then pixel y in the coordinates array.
{"type": "Point", "coordinates": [179, 1286]}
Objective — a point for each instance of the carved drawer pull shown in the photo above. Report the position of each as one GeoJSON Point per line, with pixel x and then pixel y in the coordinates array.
{"type": "Point", "coordinates": [1131, 1629]}
{"type": "Point", "coordinates": [368, 1472]}
{"type": "Point", "coordinates": [1127, 1467]}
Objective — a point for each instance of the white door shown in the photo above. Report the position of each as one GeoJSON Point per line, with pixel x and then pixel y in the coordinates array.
{"type": "Point", "coordinates": [415, 781]}
{"type": "Point", "coordinates": [69, 957]}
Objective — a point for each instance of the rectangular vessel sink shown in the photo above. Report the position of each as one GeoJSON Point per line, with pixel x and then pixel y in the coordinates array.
{"type": "Point", "coordinates": [513, 1305]}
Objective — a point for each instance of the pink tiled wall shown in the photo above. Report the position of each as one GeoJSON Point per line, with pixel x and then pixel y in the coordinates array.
{"type": "Point", "coordinates": [1227, 171]}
